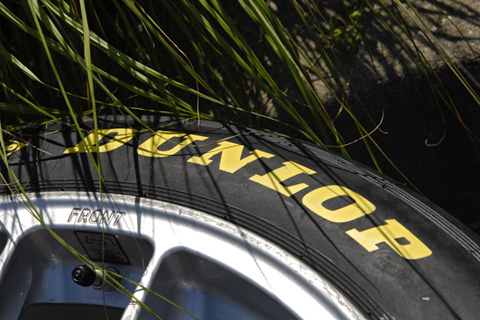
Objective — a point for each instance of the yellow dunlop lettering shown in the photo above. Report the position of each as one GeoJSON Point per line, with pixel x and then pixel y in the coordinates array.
{"type": "Point", "coordinates": [314, 200]}
{"type": "Point", "coordinates": [231, 156]}
{"type": "Point", "coordinates": [274, 179]}
{"type": "Point", "coordinates": [119, 136]}
{"type": "Point", "coordinates": [391, 234]}
{"type": "Point", "coordinates": [150, 148]}
{"type": "Point", "coordinates": [14, 146]}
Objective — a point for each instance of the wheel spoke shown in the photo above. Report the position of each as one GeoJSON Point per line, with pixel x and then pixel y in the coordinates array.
{"type": "Point", "coordinates": [181, 262]}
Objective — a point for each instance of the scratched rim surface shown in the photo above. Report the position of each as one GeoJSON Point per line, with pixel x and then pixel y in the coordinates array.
{"type": "Point", "coordinates": [210, 267]}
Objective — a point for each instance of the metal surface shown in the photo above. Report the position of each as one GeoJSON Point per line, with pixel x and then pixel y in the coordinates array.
{"type": "Point", "coordinates": [205, 265]}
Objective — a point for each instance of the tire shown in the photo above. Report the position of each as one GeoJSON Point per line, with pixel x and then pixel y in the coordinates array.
{"type": "Point", "coordinates": [385, 252]}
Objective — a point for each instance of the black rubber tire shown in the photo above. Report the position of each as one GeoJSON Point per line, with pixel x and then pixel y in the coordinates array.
{"type": "Point", "coordinates": [393, 254]}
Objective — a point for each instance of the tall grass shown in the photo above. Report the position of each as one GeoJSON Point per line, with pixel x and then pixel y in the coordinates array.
{"type": "Point", "coordinates": [236, 61]}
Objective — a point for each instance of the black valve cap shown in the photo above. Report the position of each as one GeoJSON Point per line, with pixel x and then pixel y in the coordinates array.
{"type": "Point", "coordinates": [83, 276]}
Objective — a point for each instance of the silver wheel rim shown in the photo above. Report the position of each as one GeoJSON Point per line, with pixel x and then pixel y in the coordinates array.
{"type": "Point", "coordinates": [207, 266]}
